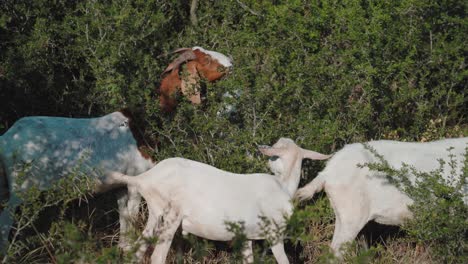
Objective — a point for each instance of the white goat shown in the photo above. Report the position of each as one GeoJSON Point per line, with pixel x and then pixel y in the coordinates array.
{"type": "Point", "coordinates": [359, 195]}
{"type": "Point", "coordinates": [203, 198]}
{"type": "Point", "coordinates": [55, 145]}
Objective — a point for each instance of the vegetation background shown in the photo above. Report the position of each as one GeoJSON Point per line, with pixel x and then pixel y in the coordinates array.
{"type": "Point", "coordinates": [324, 73]}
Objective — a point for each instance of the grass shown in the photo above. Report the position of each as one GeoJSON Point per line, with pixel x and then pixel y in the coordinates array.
{"type": "Point", "coordinates": [93, 232]}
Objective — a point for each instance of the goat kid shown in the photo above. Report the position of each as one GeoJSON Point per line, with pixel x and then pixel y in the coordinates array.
{"type": "Point", "coordinates": [203, 199]}
{"type": "Point", "coordinates": [201, 64]}
{"type": "Point", "coordinates": [359, 195]}
{"type": "Point", "coordinates": [53, 146]}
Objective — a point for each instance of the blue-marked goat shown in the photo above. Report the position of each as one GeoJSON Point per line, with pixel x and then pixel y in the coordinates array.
{"type": "Point", "coordinates": [53, 146]}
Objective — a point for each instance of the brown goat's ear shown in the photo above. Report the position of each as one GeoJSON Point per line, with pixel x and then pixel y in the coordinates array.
{"type": "Point", "coordinates": [190, 83]}
{"type": "Point", "coordinates": [186, 54]}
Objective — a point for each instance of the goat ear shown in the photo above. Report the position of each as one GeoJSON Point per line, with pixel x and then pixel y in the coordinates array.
{"type": "Point", "coordinates": [190, 84]}
{"type": "Point", "coordinates": [309, 154]}
{"type": "Point", "coordinates": [186, 54]}
{"type": "Point", "coordinates": [271, 151]}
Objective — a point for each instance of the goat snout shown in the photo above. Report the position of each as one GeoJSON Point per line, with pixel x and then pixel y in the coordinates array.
{"type": "Point", "coordinates": [228, 70]}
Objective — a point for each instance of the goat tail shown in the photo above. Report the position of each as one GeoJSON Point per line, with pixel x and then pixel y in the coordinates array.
{"type": "Point", "coordinates": [308, 191]}
{"type": "Point", "coordinates": [117, 178]}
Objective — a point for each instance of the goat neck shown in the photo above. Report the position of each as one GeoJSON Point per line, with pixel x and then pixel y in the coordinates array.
{"type": "Point", "coordinates": [286, 162]}
{"type": "Point", "coordinates": [291, 173]}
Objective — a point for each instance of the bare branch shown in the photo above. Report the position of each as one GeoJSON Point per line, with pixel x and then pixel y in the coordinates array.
{"type": "Point", "coordinates": [247, 8]}
{"type": "Point", "coordinates": [193, 12]}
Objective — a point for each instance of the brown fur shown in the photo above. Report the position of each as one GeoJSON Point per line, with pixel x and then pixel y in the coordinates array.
{"type": "Point", "coordinates": [198, 66]}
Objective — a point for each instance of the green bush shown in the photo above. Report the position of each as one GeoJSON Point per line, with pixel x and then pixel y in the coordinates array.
{"type": "Point", "coordinates": [23, 248]}
{"type": "Point", "coordinates": [439, 211]}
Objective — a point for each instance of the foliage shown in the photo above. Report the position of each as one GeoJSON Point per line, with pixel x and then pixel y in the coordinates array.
{"type": "Point", "coordinates": [75, 185]}
{"type": "Point", "coordinates": [439, 209]}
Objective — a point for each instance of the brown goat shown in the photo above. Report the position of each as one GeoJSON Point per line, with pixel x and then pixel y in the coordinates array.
{"type": "Point", "coordinates": [200, 64]}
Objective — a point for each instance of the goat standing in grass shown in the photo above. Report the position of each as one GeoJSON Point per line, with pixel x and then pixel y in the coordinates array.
{"type": "Point", "coordinates": [359, 195]}
{"type": "Point", "coordinates": [202, 199]}
{"type": "Point", "coordinates": [54, 146]}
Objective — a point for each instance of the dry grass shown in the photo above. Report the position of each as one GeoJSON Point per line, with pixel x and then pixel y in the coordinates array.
{"type": "Point", "coordinates": [389, 248]}
{"type": "Point", "coordinates": [102, 223]}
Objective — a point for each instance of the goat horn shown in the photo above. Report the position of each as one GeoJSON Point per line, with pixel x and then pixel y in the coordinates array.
{"type": "Point", "coordinates": [180, 50]}
{"type": "Point", "coordinates": [186, 55]}
{"type": "Point", "coordinates": [165, 54]}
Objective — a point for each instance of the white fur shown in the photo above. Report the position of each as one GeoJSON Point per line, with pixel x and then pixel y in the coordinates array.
{"type": "Point", "coordinates": [221, 58]}
{"type": "Point", "coordinates": [359, 195]}
{"type": "Point", "coordinates": [54, 146]}
{"type": "Point", "coordinates": [202, 198]}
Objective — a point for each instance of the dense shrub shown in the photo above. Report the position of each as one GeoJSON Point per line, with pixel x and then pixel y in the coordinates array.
{"type": "Point", "coordinates": [439, 209]}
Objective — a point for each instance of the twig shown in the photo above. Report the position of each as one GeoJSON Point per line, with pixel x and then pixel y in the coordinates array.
{"type": "Point", "coordinates": [247, 8]}
{"type": "Point", "coordinates": [193, 12]}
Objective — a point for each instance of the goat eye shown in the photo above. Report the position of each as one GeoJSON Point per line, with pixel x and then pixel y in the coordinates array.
{"type": "Point", "coordinates": [273, 158]}
{"type": "Point", "coordinates": [124, 124]}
